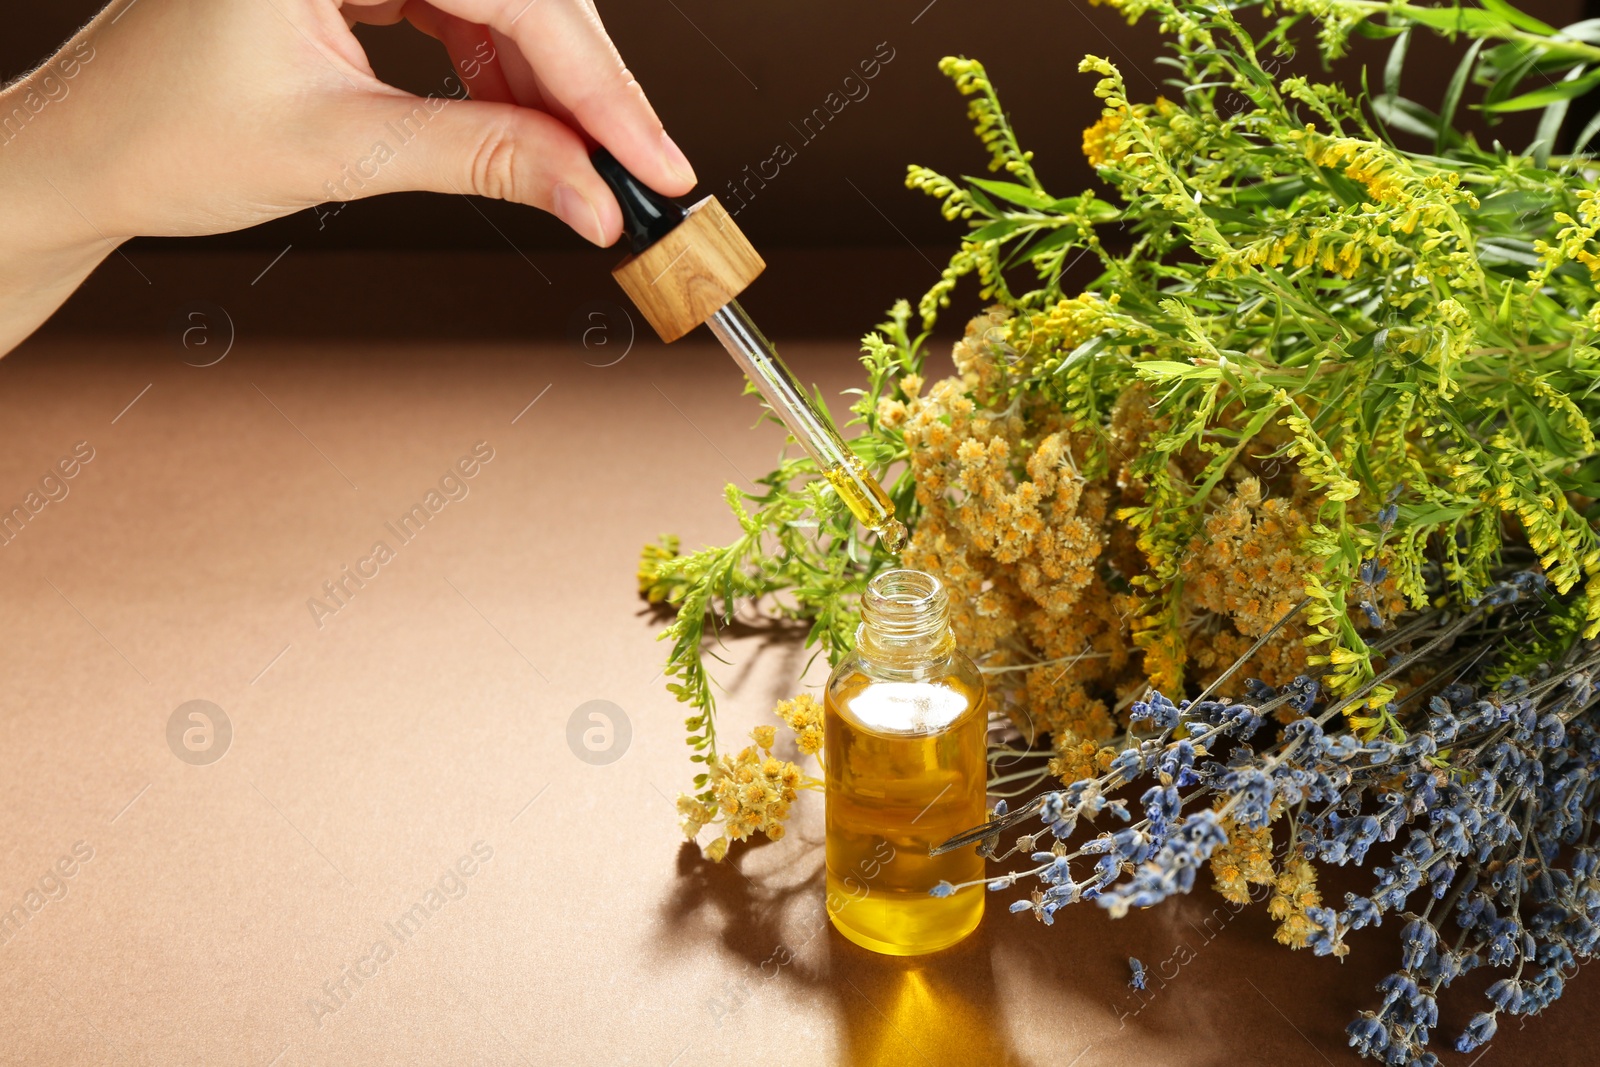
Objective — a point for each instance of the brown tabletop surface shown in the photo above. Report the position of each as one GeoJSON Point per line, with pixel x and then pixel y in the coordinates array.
{"type": "Point", "coordinates": [398, 857]}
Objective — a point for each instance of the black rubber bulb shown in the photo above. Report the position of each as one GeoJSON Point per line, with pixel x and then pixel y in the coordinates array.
{"type": "Point", "coordinates": [647, 216]}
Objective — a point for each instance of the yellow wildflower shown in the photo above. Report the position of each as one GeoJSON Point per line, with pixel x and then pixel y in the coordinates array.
{"type": "Point", "coordinates": [1099, 140]}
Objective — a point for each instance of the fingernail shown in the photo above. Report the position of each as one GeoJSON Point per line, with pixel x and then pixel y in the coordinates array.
{"type": "Point", "coordinates": [677, 162]}
{"type": "Point", "coordinates": [572, 209]}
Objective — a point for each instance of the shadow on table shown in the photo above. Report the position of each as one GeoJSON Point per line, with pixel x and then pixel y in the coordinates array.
{"type": "Point", "coordinates": [1220, 991]}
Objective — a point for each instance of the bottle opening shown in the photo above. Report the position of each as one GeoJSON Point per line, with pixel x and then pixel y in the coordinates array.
{"type": "Point", "coordinates": [903, 605]}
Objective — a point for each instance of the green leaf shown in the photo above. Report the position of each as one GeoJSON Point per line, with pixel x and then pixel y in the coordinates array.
{"type": "Point", "coordinates": [1550, 125]}
{"type": "Point", "coordinates": [1452, 96]}
{"type": "Point", "coordinates": [1051, 241]}
{"type": "Point", "coordinates": [1507, 250]}
{"type": "Point", "coordinates": [1589, 130]}
{"type": "Point", "coordinates": [1512, 202]}
{"type": "Point", "coordinates": [1544, 138]}
{"type": "Point", "coordinates": [1587, 31]}
{"type": "Point", "coordinates": [1508, 81]}
{"type": "Point", "coordinates": [1278, 193]}
{"type": "Point", "coordinates": [1407, 116]}
{"type": "Point", "coordinates": [1429, 514]}
{"type": "Point", "coordinates": [984, 204]}
{"type": "Point", "coordinates": [1101, 211]}
{"type": "Point", "coordinates": [1168, 370]}
{"type": "Point", "coordinates": [1566, 89]}
{"type": "Point", "coordinates": [1377, 31]}
{"type": "Point", "coordinates": [1520, 19]}
{"type": "Point", "coordinates": [998, 228]}
{"type": "Point", "coordinates": [1364, 345]}
{"type": "Point", "coordinates": [1456, 19]}
{"type": "Point", "coordinates": [1084, 351]}
{"type": "Point", "coordinates": [1397, 61]}
{"type": "Point", "coordinates": [1017, 194]}
{"type": "Point", "coordinates": [1508, 55]}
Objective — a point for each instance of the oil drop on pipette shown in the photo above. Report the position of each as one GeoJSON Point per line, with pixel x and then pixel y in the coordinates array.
{"type": "Point", "coordinates": [868, 502]}
{"type": "Point", "coordinates": [687, 267]}
{"type": "Point", "coordinates": [842, 468]}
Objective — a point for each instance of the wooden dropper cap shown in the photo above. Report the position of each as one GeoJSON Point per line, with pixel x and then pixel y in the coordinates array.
{"type": "Point", "coordinates": [686, 263]}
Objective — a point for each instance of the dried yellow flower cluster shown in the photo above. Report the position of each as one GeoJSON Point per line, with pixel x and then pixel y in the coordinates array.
{"type": "Point", "coordinates": [1294, 891]}
{"type": "Point", "coordinates": [1019, 523]}
{"type": "Point", "coordinates": [1016, 531]}
{"type": "Point", "coordinates": [804, 716]}
{"type": "Point", "coordinates": [753, 792]}
{"type": "Point", "coordinates": [1248, 568]}
{"type": "Point", "coordinates": [1245, 859]}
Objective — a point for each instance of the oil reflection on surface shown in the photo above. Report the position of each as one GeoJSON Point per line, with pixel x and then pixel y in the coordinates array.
{"type": "Point", "coordinates": [932, 1011]}
{"type": "Point", "coordinates": [920, 1011]}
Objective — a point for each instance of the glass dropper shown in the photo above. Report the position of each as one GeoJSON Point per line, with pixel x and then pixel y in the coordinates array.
{"type": "Point", "coordinates": [842, 468]}
{"type": "Point", "coordinates": [686, 268]}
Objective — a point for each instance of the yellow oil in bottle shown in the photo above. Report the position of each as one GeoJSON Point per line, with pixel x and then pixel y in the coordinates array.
{"type": "Point", "coordinates": [868, 502]}
{"type": "Point", "coordinates": [906, 768]}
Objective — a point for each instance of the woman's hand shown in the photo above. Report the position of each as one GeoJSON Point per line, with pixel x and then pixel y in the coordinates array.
{"type": "Point", "coordinates": [184, 117]}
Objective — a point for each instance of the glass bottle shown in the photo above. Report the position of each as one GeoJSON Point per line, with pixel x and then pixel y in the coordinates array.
{"type": "Point", "coordinates": [906, 769]}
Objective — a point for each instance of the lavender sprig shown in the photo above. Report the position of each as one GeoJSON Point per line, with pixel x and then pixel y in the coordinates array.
{"type": "Point", "coordinates": [1480, 800]}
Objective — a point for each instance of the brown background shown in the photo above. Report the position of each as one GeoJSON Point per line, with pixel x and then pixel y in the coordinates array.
{"type": "Point", "coordinates": [844, 237]}
{"type": "Point", "coordinates": [431, 713]}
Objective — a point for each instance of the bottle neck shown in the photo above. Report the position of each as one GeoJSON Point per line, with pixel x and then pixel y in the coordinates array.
{"type": "Point", "coordinates": [905, 624]}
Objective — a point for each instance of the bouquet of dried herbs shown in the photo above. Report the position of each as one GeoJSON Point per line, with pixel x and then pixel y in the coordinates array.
{"type": "Point", "coordinates": [1278, 540]}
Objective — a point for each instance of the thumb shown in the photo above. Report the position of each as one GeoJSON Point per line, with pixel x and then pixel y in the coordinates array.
{"type": "Point", "coordinates": [396, 143]}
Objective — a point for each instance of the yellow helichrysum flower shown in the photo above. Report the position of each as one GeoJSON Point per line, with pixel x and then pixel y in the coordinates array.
{"type": "Point", "coordinates": [1245, 859]}
{"type": "Point", "coordinates": [804, 716]}
{"type": "Point", "coordinates": [1293, 893]}
{"type": "Point", "coordinates": [754, 789]}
